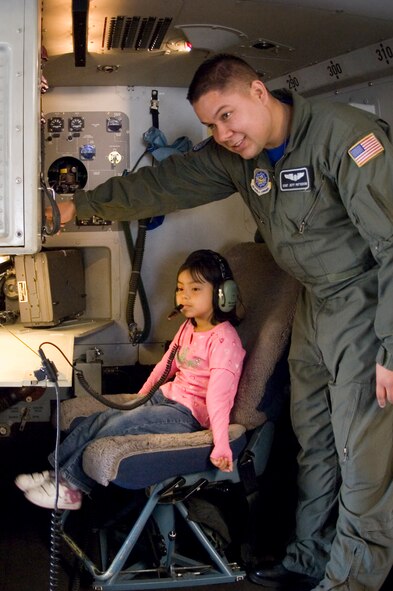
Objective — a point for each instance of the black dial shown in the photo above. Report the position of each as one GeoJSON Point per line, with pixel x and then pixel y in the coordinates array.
{"type": "Point", "coordinates": [87, 152]}
{"type": "Point", "coordinates": [113, 124]}
{"type": "Point", "coordinates": [56, 124]}
{"type": "Point", "coordinates": [76, 123]}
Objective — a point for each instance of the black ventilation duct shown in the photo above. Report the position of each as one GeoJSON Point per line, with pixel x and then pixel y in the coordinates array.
{"type": "Point", "coordinates": [80, 12]}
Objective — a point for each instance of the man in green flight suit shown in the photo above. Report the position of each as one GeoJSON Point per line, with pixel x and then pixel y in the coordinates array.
{"type": "Point", "coordinates": [318, 179]}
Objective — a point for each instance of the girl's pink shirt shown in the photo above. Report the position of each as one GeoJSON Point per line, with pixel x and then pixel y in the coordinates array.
{"type": "Point", "coordinates": [206, 373]}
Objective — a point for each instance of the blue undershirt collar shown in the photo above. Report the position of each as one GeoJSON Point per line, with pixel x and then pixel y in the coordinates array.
{"type": "Point", "coordinates": [275, 154]}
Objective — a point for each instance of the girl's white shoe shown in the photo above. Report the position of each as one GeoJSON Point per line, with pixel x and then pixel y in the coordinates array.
{"type": "Point", "coordinates": [27, 481]}
{"type": "Point", "coordinates": [45, 496]}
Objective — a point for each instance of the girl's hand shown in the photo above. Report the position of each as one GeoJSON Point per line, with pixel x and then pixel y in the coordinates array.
{"type": "Point", "coordinates": [224, 464]}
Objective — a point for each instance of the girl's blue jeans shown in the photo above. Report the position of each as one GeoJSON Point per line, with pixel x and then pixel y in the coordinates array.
{"type": "Point", "coordinates": [158, 415]}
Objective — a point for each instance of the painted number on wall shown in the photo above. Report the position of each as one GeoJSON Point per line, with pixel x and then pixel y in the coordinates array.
{"type": "Point", "coordinates": [293, 83]}
{"type": "Point", "coordinates": [334, 69]}
{"type": "Point", "coordinates": [384, 53]}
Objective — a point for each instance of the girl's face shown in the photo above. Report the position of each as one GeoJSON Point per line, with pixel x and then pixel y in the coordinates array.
{"type": "Point", "coordinates": [196, 297]}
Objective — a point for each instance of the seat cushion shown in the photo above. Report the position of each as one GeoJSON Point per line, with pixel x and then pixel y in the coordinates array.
{"type": "Point", "coordinates": [137, 461]}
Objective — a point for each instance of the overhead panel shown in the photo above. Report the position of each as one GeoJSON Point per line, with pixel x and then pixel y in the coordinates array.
{"type": "Point", "coordinates": [277, 38]}
{"type": "Point", "coordinates": [130, 26]}
{"type": "Point", "coordinates": [134, 33]}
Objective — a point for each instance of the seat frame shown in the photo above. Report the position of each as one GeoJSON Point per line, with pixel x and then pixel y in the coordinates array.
{"type": "Point", "coordinates": [166, 503]}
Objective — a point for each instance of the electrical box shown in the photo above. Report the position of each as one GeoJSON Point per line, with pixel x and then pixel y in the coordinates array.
{"type": "Point", "coordinates": [51, 287]}
{"type": "Point", "coordinates": [20, 75]}
{"type": "Point", "coordinates": [84, 149]}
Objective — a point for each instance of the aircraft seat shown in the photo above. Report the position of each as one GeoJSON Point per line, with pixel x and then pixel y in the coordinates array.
{"type": "Point", "coordinates": [172, 467]}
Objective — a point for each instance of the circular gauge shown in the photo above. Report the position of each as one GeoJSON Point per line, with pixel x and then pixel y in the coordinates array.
{"type": "Point", "coordinates": [87, 152]}
{"type": "Point", "coordinates": [66, 175]}
{"type": "Point", "coordinates": [55, 124]}
{"type": "Point", "coordinates": [76, 124]}
{"type": "Point", "coordinates": [113, 124]}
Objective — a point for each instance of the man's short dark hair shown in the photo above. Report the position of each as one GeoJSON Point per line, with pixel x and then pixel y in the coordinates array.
{"type": "Point", "coordinates": [219, 73]}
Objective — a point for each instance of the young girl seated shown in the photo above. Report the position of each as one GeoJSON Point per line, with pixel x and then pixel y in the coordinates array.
{"type": "Point", "coordinates": [205, 372]}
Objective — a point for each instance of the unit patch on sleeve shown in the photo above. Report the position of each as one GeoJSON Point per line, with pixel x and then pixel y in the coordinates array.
{"type": "Point", "coordinates": [261, 183]}
{"type": "Point", "coordinates": [296, 179]}
{"type": "Point", "coordinates": [365, 149]}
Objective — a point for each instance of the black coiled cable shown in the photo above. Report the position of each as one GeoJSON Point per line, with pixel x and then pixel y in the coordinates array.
{"type": "Point", "coordinates": [86, 386]}
{"type": "Point", "coordinates": [54, 557]}
{"type": "Point", "coordinates": [56, 517]}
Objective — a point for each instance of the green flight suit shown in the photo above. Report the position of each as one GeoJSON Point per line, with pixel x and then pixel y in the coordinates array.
{"type": "Point", "coordinates": [327, 217]}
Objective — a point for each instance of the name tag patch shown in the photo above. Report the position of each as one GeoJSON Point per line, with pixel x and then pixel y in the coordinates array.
{"type": "Point", "coordinates": [296, 179]}
{"type": "Point", "coordinates": [261, 183]}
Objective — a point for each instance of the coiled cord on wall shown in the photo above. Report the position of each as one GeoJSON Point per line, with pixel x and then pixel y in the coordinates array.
{"type": "Point", "coordinates": [146, 397]}
{"type": "Point", "coordinates": [142, 400]}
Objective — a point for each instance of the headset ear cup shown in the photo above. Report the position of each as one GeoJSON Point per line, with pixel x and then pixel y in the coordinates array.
{"type": "Point", "coordinates": [227, 295]}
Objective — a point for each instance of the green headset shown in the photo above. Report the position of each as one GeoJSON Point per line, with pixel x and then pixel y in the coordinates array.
{"type": "Point", "coordinates": [227, 293]}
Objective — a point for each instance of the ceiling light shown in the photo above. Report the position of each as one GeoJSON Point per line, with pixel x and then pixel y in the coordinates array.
{"type": "Point", "coordinates": [178, 46]}
{"type": "Point", "coordinates": [270, 46]}
{"type": "Point", "coordinates": [211, 37]}
{"type": "Point", "coordinates": [264, 45]}
{"type": "Point", "coordinates": [108, 69]}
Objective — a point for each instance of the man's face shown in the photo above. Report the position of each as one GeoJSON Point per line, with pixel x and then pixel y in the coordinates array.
{"type": "Point", "coordinates": [238, 118]}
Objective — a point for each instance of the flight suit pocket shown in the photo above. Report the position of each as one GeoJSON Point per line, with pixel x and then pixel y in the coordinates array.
{"type": "Point", "coordinates": [381, 534]}
{"type": "Point", "coordinates": [307, 214]}
{"type": "Point", "coordinates": [372, 216]}
{"type": "Point", "coordinates": [343, 411]}
{"type": "Point", "coordinates": [355, 414]}
{"type": "Point", "coordinates": [300, 207]}
{"type": "Point", "coordinates": [319, 227]}
{"type": "Point", "coordinates": [364, 559]}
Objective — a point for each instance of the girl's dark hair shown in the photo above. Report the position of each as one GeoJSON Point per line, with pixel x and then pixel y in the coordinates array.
{"type": "Point", "coordinates": [219, 73]}
{"type": "Point", "coordinates": [207, 265]}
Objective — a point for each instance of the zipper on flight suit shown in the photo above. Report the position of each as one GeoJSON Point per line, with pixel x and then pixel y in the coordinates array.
{"type": "Point", "coordinates": [306, 218]}
{"type": "Point", "coordinates": [303, 223]}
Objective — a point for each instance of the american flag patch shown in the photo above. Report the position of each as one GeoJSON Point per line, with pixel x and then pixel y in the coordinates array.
{"type": "Point", "coordinates": [365, 149]}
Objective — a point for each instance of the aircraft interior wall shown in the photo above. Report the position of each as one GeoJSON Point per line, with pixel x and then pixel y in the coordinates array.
{"type": "Point", "coordinates": [279, 39]}
{"type": "Point", "coordinates": [374, 95]}
{"type": "Point", "coordinates": [213, 226]}
{"type": "Point", "coordinates": [216, 226]}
